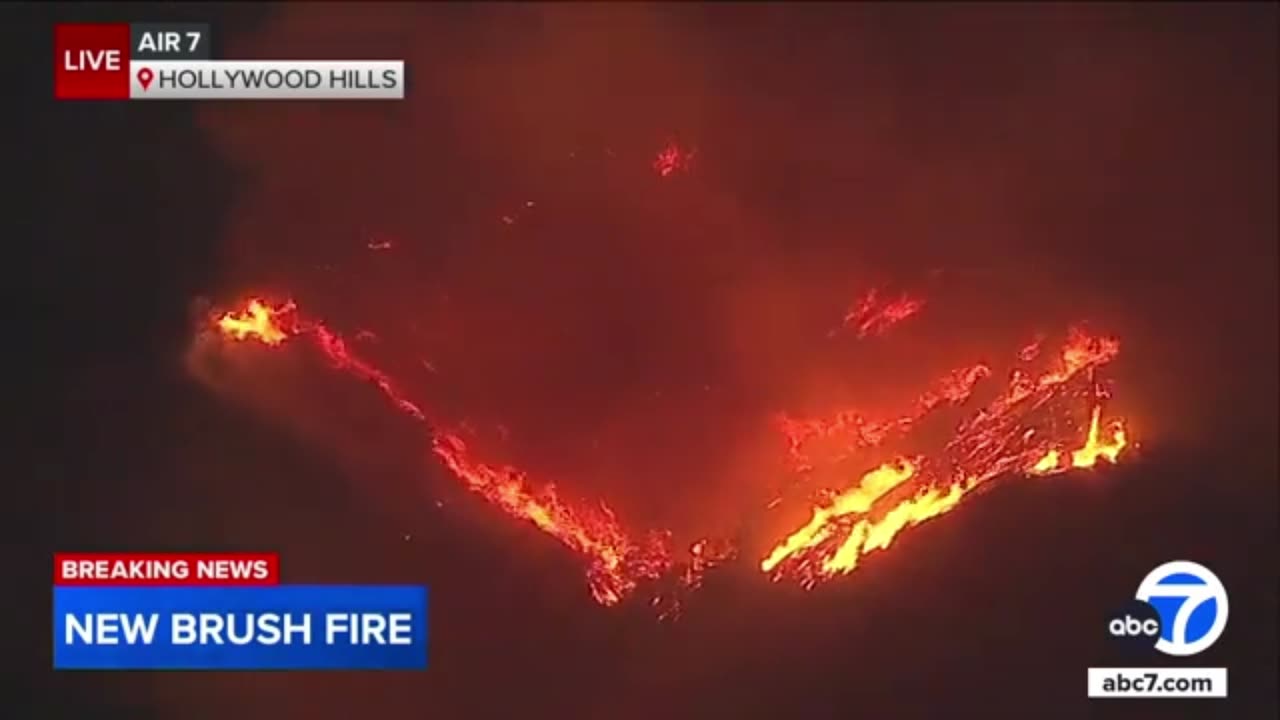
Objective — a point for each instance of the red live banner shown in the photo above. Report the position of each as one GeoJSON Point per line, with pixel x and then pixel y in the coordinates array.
{"type": "Point", "coordinates": [91, 62]}
{"type": "Point", "coordinates": [230, 568]}
{"type": "Point", "coordinates": [174, 61]}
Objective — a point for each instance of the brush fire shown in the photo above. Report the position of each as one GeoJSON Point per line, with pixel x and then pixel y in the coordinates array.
{"type": "Point", "coordinates": [1040, 421]}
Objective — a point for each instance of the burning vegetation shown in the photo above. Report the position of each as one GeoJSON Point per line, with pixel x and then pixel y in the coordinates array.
{"type": "Point", "coordinates": [616, 561]}
{"type": "Point", "coordinates": [1029, 428]}
{"type": "Point", "coordinates": [1039, 422]}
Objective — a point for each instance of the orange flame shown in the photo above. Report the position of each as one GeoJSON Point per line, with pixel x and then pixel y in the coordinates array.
{"type": "Point", "coordinates": [1018, 432]}
{"type": "Point", "coordinates": [1000, 439]}
{"type": "Point", "coordinates": [856, 500]}
{"type": "Point", "coordinates": [1095, 448]}
{"type": "Point", "coordinates": [257, 321]}
{"type": "Point", "coordinates": [855, 432]}
{"type": "Point", "coordinates": [616, 562]}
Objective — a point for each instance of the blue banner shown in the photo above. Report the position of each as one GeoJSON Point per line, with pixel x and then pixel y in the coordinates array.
{"type": "Point", "coordinates": [283, 627]}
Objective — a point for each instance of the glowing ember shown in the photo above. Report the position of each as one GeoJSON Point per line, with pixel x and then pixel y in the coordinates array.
{"type": "Point", "coordinates": [1031, 350]}
{"type": "Point", "coordinates": [1013, 434]}
{"type": "Point", "coordinates": [872, 315]}
{"type": "Point", "coordinates": [335, 348]}
{"type": "Point", "coordinates": [672, 159]}
{"type": "Point", "coordinates": [851, 431]}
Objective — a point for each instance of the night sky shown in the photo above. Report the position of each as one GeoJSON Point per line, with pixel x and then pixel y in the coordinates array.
{"type": "Point", "coordinates": [1021, 167]}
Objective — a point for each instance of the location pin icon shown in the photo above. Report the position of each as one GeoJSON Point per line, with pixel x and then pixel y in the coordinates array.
{"type": "Point", "coordinates": [145, 76]}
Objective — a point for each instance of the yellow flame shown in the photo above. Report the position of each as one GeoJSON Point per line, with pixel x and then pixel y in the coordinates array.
{"type": "Point", "coordinates": [857, 499]}
{"type": "Point", "coordinates": [257, 321]}
{"type": "Point", "coordinates": [1048, 463]}
{"type": "Point", "coordinates": [1094, 447]}
{"type": "Point", "coordinates": [929, 503]}
{"type": "Point", "coordinates": [867, 534]}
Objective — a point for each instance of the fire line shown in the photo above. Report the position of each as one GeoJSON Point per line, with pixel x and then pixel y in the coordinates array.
{"type": "Point", "coordinates": [1030, 428]}
{"type": "Point", "coordinates": [1017, 433]}
{"type": "Point", "coordinates": [617, 562]}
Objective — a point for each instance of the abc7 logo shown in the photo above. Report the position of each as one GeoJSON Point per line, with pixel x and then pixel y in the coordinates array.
{"type": "Point", "coordinates": [1180, 609]}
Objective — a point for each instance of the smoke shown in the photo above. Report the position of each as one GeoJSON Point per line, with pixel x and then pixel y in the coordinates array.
{"type": "Point", "coordinates": [633, 334]}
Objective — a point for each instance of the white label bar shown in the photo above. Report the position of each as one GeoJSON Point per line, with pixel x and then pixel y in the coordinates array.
{"type": "Point", "coordinates": [266, 80]}
{"type": "Point", "coordinates": [1165, 682]}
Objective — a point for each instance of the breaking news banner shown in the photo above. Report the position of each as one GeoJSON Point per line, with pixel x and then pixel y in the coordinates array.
{"type": "Point", "coordinates": [226, 611]}
{"type": "Point", "coordinates": [171, 61]}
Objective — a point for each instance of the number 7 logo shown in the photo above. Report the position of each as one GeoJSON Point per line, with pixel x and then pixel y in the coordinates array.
{"type": "Point", "coordinates": [1192, 604]}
